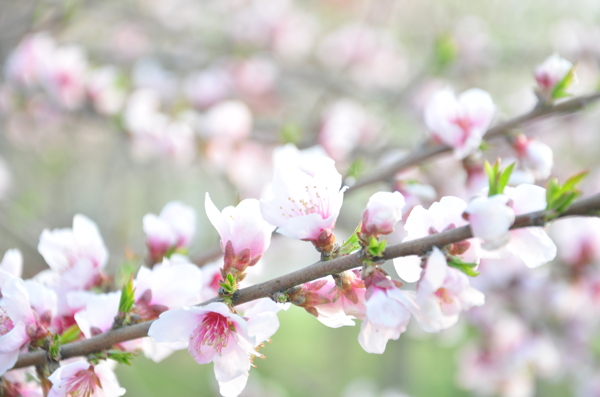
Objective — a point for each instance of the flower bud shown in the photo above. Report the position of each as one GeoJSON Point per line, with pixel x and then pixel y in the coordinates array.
{"type": "Point", "coordinates": [383, 211]}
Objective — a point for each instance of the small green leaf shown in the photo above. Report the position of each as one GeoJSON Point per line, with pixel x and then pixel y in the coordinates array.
{"type": "Point", "coordinates": [560, 89]}
{"type": "Point", "coordinates": [356, 168]}
{"type": "Point", "coordinates": [376, 248]}
{"type": "Point", "coordinates": [54, 349]}
{"type": "Point", "coordinates": [290, 133]}
{"type": "Point", "coordinates": [465, 267]}
{"type": "Point", "coordinates": [505, 177]}
{"type": "Point", "coordinates": [352, 244]}
{"type": "Point", "coordinates": [560, 197]}
{"type": "Point", "coordinates": [71, 334]}
{"type": "Point", "coordinates": [127, 297]}
{"type": "Point", "coordinates": [446, 51]}
{"type": "Point", "coordinates": [120, 357]}
{"type": "Point", "coordinates": [497, 178]}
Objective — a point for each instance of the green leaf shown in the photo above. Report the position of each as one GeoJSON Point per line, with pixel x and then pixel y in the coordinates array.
{"type": "Point", "coordinates": [290, 133]}
{"type": "Point", "coordinates": [125, 272]}
{"type": "Point", "coordinates": [505, 177]}
{"type": "Point", "coordinates": [497, 178]}
{"type": "Point", "coordinates": [465, 267]}
{"type": "Point", "coordinates": [120, 357]}
{"type": "Point", "coordinates": [446, 51]}
{"type": "Point", "coordinates": [560, 197]}
{"type": "Point", "coordinates": [71, 334]}
{"type": "Point", "coordinates": [356, 168]}
{"type": "Point", "coordinates": [54, 349]}
{"type": "Point", "coordinates": [376, 248]}
{"type": "Point", "coordinates": [560, 89]}
{"type": "Point", "coordinates": [352, 244]}
{"type": "Point", "coordinates": [127, 297]}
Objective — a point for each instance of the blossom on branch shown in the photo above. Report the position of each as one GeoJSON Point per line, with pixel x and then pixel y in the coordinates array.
{"type": "Point", "coordinates": [460, 122]}
{"type": "Point", "coordinates": [172, 230]}
{"type": "Point", "coordinates": [214, 334]}
{"type": "Point", "coordinates": [81, 378]}
{"type": "Point", "coordinates": [383, 211]}
{"type": "Point", "coordinates": [245, 235]}
{"type": "Point", "coordinates": [535, 156]}
{"type": "Point", "coordinates": [306, 196]}
{"type": "Point", "coordinates": [550, 73]}
{"type": "Point", "coordinates": [490, 219]}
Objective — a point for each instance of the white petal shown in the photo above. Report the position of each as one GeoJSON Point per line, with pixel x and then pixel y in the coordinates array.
{"type": "Point", "coordinates": [408, 268]}
{"type": "Point", "coordinates": [532, 245]}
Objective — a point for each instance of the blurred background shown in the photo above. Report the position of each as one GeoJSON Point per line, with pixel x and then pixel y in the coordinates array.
{"type": "Point", "coordinates": [113, 109]}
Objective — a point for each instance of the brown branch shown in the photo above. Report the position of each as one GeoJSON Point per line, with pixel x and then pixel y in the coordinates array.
{"type": "Point", "coordinates": [429, 149]}
{"type": "Point", "coordinates": [584, 207]}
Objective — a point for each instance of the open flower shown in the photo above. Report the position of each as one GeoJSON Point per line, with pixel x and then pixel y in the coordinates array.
{"type": "Point", "coordinates": [173, 229]}
{"type": "Point", "coordinates": [490, 219]}
{"type": "Point", "coordinates": [535, 156]}
{"type": "Point", "coordinates": [551, 72]}
{"type": "Point", "coordinates": [388, 310]}
{"type": "Point", "coordinates": [214, 334]}
{"type": "Point", "coordinates": [442, 293]}
{"type": "Point", "coordinates": [245, 235]}
{"type": "Point", "coordinates": [77, 255]}
{"type": "Point", "coordinates": [383, 211]}
{"type": "Point", "coordinates": [81, 378]}
{"type": "Point", "coordinates": [460, 122]}
{"type": "Point", "coordinates": [306, 195]}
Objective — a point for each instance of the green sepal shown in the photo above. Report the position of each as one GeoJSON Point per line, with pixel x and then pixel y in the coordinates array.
{"type": "Point", "coordinates": [120, 356]}
{"type": "Point", "coordinates": [560, 89]}
{"type": "Point", "coordinates": [352, 244]}
{"type": "Point", "coordinates": [229, 285]}
{"type": "Point", "coordinates": [54, 348]}
{"type": "Point", "coordinates": [376, 248]}
{"type": "Point", "coordinates": [127, 296]}
{"type": "Point", "coordinates": [356, 169]}
{"type": "Point", "coordinates": [465, 267]}
{"type": "Point", "coordinates": [71, 334]}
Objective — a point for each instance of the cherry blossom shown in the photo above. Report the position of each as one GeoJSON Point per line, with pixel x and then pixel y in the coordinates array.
{"type": "Point", "coordinates": [388, 311]}
{"type": "Point", "coordinates": [77, 255]}
{"type": "Point", "coordinates": [245, 235]}
{"type": "Point", "coordinates": [443, 215]}
{"type": "Point", "coordinates": [490, 219]}
{"type": "Point", "coordinates": [26, 311]}
{"type": "Point", "coordinates": [534, 156]}
{"type": "Point", "coordinates": [24, 64]}
{"type": "Point", "coordinates": [16, 384]}
{"type": "Point", "coordinates": [551, 72]}
{"type": "Point", "coordinates": [383, 211]}
{"type": "Point", "coordinates": [442, 293]}
{"type": "Point", "coordinates": [173, 229]}
{"type": "Point", "coordinates": [64, 74]}
{"type": "Point", "coordinates": [215, 334]}
{"type": "Point", "coordinates": [103, 89]}
{"type": "Point", "coordinates": [306, 195]}
{"type": "Point", "coordinates": [460, 122]}
{"type": "Point", "coordinates": [83, 379]}
{"type": "Point", "coordinates": [11, 266]}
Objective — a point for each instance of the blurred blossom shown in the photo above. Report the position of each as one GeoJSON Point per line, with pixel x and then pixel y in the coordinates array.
{"type": "Point", "coordinates": [64, 76]}
{"type": "Point", "coordinates": [5, 179]}
{"type": "Point", "coordinates": [535, 156]}
{"type": "Point", "coordinates": [103, 89]}
{"type": "Point", "coordinates": [173, 229]}
{"type": "Point", "coordinates": [550, 73]}
{"type": "Point", "coordinates": [249, 168]}
{"type": "Point", "coordinates": [10, 267]}
{"type": "Point", "coordinates": [256, 76]}
{"type": "Point", "coordinates": [345, 125]}
{"type": "Point", "coordinates": [25, 63]}
{"type": "Point", "coordinates": [85, 379]}
{"type": "Point", "coordinates": [490, 218]}
{"type": "Point", "coordinates": [231, 120]}
{"type": "Point", "coordinates": [21, 382]}
{"type": "Point", "coordinates": [578, 240]}
{"type": "Point", "coordinates": [129, 41]}
{"type": "Point", "coordinates": [149, 73]}
{"type": "Point", "coordinates": [208, 87]}
{"type": "Point", "coordinates": [460, 122]}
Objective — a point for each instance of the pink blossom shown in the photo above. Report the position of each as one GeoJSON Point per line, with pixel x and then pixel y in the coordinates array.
{"type": "Point", "coordinates": [231, 120]}
{"type": "Point", "coordinates": [530, 244]}
{"type": "Point", "coordinates": [173, 229]}
{"type": "Point", "coordinates": [170, 285]}
{"type": "Point", "coordinates": [388, 310]}
{"type": "Point", "coordinates": [442, 293]}
{"type": "Point", "coordinates": [345, 125]}
{"type": "Point", "coordinates": [306, 195]}
{"type": "Point", "coordinates": [26, 311]}
{"type": "Point", "coordinates": [551, 72]}
{"type": "Point", "coordinates": [245, 235]}
{"type": "Point", "coordinates": [347, 296]}
{"type": "Point", "coordinates": [11, 266]}
{"type": "Point", "coordinates": [104, 91]}
{"type": "Point", "coordinates": [460, 123]}
{"type": "Point", "coordinates": [64, 74]}
{"type": "Point", "coordinates": [215, 334]}
{"type": "Point", "coordinates": [256, 76]}
{"type": "Point", "coordinates": [578, 240]}
{"type": "Point", "coordinates": [77, 254]}
{"type": "Point", "coordinates": [24, 64]}
{"type": "Point", "coordinates": [383, 211]}
{"type": "Point", "coordinates": [16, 384]}
{"type": "Point", "coordinates": [83, 379]}
{"type": "Point", "coordinates": [443, 215]}
{"type": "Point", "coordinates": [208, 87]}
{"type": "Point", "coordinates": [490, 219]}
{"type": "Point", "coordinates": [99, 313]}
{"type": "Point", "coordinates": [534, 156]}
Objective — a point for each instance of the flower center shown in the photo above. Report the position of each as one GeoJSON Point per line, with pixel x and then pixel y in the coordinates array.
{"type": "Point", "coordinates": [214, 331]}
{"type": "Point", "coordinates": [83, 384]}
{"type": "Point", "coordinates": [6, 324]}
{"type": "Point", "coordinates": [311, 203]}
{"type": "Point", "coordinates": [444, 296]}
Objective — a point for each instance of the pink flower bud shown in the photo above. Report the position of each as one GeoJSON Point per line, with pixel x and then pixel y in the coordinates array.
{"type": "Point", "coordinates": [535, 156]}
{"type": "Point", "coordinates": [551, 72]}
{"type": "Point", "coordinates": [383, 211]}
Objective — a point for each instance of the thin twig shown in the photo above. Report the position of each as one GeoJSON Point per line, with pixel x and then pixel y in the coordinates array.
{"type": "Point", "coordinates": [429, 149]}
{"type": "Point", "coordinates": [585, 207]}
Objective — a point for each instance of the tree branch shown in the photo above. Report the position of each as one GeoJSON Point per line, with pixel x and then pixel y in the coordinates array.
{"type": "Point", "coordinates": [584, 207]}
{"type": "Point", "coordinates": [428, 150]}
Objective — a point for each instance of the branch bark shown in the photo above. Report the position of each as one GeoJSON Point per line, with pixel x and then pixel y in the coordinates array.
{"type": "Point", "coordinates": [428, 150]}
{"type": "Point", "coordinates": [584, 207]}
